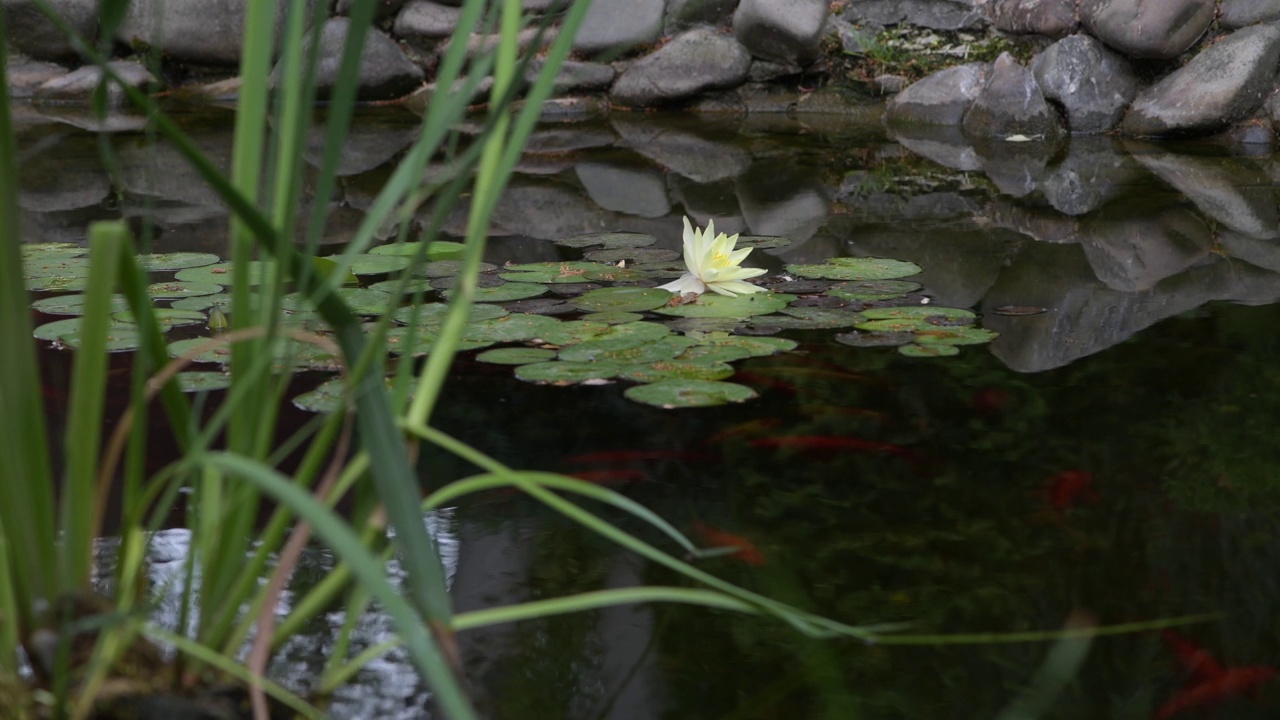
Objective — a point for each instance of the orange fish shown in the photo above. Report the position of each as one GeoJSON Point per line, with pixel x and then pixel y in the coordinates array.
{"type": "Point", "coordinates": [1068, 489]}
{"type": "Point", "coordinates": [1203, 695]}
{"type": "Point", "coordinates": [747, 551]}
{"type": "Point", "coordinates": [1198, 662]}
{"type": "Point", "coordinates": [832, 443]}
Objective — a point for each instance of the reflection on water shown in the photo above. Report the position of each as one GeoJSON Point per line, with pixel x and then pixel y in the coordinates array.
{"type": "Point", "coordinates": [963, 526]}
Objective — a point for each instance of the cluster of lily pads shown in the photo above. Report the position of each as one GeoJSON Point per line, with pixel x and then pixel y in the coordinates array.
{"type": "Point", "coordinates": [590, 321]}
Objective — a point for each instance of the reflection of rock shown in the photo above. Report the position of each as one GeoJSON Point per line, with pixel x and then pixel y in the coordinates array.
{"type": "Point", "coordinates": [549, 210]}
{"type": "Point", "coordinates": [58, 178]}
{"type": "Point", "coordinates": [959, 265]}
{"type": "Point", "coordinates": [77, 86]}
{"type": "Point", "coordinates": [629, 189]}
{"type": "Point", "coordinates": [1263, 252]}
{"type": "Point", "coordinates": [779, 198]}
{"type": "Point", "coordinates": [1040, 224]}
{"type": "Point", "coordinates": [369, 144]}
{"type": "Point", "coordinates": [1231, 191]}
{"type": "Point", "coordinates": [1093, 172]}
{"type": "Point", "coordinates": [1015, 168]}
{"type": "Point", "coordinates": [945, 145]}
{"type": "Point", "coordinates": [158, 170]}
{"type": "Point", "coordinates": [683, 151]}
{"type": "Point", "coordinates": [1086, 317]}
{"type": "Point", "coordinates": [31, 31]}
{"type": "Point", "coordinates": [1134, 247]}
{"type": "Point", "coordinates": [717, 199]}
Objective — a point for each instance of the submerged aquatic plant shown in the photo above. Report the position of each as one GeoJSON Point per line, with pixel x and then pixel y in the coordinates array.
{"type": "Point", "coordinates": [713, 264]}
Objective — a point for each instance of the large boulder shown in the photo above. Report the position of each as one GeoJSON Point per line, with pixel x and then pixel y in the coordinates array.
{"type": "Point", "coordinates": [1233, 14]}
{"type": "Point", "coordinates": [424, 19]}
{"type": "Point", "coordinates": [684, 14]}
{"type": "Point", "coordinates": [78, 86]}
{"type": "Point", "coordinates": [939, 99]}
{"type": "Point", "coordinates": [31, 32]}
{"type": "Point", "coordinates": [1051, 18]}
{"type": "Point", "coordinates": [1158, 29]}
{"type": "Point", "coordinates": [382, 9]}
{"type": "Point", "coordinates": [932, 14]}
{"type": "Point", "coordinates": [616, 26]}
{"type": "Point", "coordinates": [1091, 83]}
{"type": "Point", "coordinates": [1010, 104]}
{"type": "Point", "coordinates": [1224, 83]}
{"type": "Point", "coordinates": [697, 60]}
{"type": "Point", "coordinates": [385, 72]}
{"type": "Point", "coordinates": [784, 31]}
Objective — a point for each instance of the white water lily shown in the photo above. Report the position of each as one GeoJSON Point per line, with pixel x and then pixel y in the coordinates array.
{"type": "Point", "coordinates": [713, 264]}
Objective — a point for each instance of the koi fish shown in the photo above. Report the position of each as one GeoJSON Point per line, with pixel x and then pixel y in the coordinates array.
{"type": "Point", "coordinates": [833, 443]}
{"type": "Point", "coordinates": [989, 400]}
{"type": "Point", "coordinates": [1228, 683]}
{"type": "Point", "coordinates": [1198, 662]}
{"type": "Point", "coordinates": [1068, 489]}
{"type": "Point", "coordinates": [626, 456]}
{"type": "Point", "coordinates": [747, 551]}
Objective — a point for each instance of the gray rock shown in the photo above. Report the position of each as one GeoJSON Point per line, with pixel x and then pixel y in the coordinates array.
{"type": "Point", "coordinates": [1052, 18]}
{"type": "Point", "coordinates": [1225, 82]}
{"type": "Point", "coordinates": [77, 86]}
{"type": "Point", "coordinates": [31, 32]}
{"type": "Point", "coordinates": [616, 26]}
{"type": "Point", "coordinates": [784, 31]}
{"type": "Point", "coordinates": [939, 99]}
{"type": "Point", "coordinates": [1233, 14]}
{"type": "Point", "coordinates": [684, 14]}
{"type": "Point", "coordinates": [1264, 253]}
{"type": "Point", "coordinates": [932, 14]}
{"type": "Point", "coordinates": [1092, 173]}
{"type": "Point", "coordinates": [200, 31]}
{"type": "Point", "coordinates": [385, 72]}
{"type": "Point", "coordinates": [697, 60]}
{"type": "Point", "coordinates": [1141, 29]}
{"type": "Point", "coordinates": [1009, 104]}
{"type": "Point", "coordinates": [577, 76]}
{"type": "Point", "coordinates": [1134, 246]}
{"type": "Point", "coordinates": [382, 10]}
{"type": "Point", "coordinates": [763, 71]}
{"type": "Point", "coordinates": [1233, 192]}
{"type": "Point", "coordinates": [683, 151]}
{"type": "Point", "coordinates": [631, 190]}
{"type": "Point", "coordinates": [426, 20]}
{"type": "Point", "coordinates": [25, 77]}
{"type": "Point", "coordinates": [1092, 84]}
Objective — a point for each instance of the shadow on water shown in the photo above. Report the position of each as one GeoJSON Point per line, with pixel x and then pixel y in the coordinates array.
{"type": "Point", "coordinates": [1080, 463]}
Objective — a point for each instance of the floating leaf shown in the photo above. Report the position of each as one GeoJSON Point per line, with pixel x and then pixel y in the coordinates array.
{"type": "Point", "coordinates": [892, 325]}
{"type": "Point", "coordinates": [929, 350]}
{"type": "Point", "coordinates": [616, 274]}
{"type": "Point", "coordinates": [221, 273]}
{"type": "Point", "coordinates": [330, 396]}
{"type": "Point", "coordinates": [873, 289]}
{"type": "Point", "coordinates": [506, 292]}
{"type": "Point", "coordinates": [330, 271]}
{"type": "Point", "coordinates": [203, 380]}
{"type": "Point", "coordinates": [758, 346]}
{"type": "Point", "coordinates": [445, 268]}
{"type": "Point", "coordinates": [723, 306]}
{"type": "Point", "coordinates": [436, 251]}
{"type": "Point", "coordinates": [52, 250]}
{"type": "Point", "coordinates": [955, 336]}
{"type": "Point", "coordinates": [559, 372]}
{"type": "Point", "coordinates": [414, 286]}
{"type": "Point", "coordinates": [55, 266]}
{"type": "Point", "coordinates": [638, 255]}
{"type": "Point", "coordinates": [762, 242]}
{"type": "Point", "coordinates": [613, 317]}
{"type": "Point", "coordinates": [676, 370]}
{"type": "Point", "coordinates": [373, 264]}
{"type": "Point", "coordinates": [423, 339]}
{"type": "Point", "coordinates": [811, 318]}
{"type": "Point", "coordinates": [166, 317]}
{"type": "Point", "coordinates": [625, 350]}
{"type": "Point", "coordinates": [362, 301]}
{"type": "Point", "coordinates": [204, 302]}
{"type": "Point", "coordinates": [163, 262]}
{"type": "Point", "coordinates": [621, 299]}
{"type": "Point", "coordinates": [573, 331]}
{"type": "Point", "coordinates": [643, 330]}
{"type": "Point", "coordinates": [715, 353]}
{"type": "Point", "coordinates": [920, 312]}
{"type": "Point", "coordinates": [516, 356]}
{"type": "Point", "coordinates": [510, 328]}
{"type": "Point", "coordinates": [220, 353]}
{"type": "Point", "coordinates": [670, 394]}
{"type": "Point", "coordinates": [875, 339]}
{"type": "Point", "coordinates": [705, 325]}
{"type": "Point", "coordinates": [434, 313]}
{"type": "Point", "coordinates": [74, 304]}
{"type": "Point", "coordinates": [120, 336]}
{"type": "Point", "coordinates": [541, 306]}
{"type": "Point", "coordinates": [552, 272]}
{"type": "Point", "coordinates": [857, 269]}
{"type": "Point", "coordinates": [175, 290]}
{"type": "Point", "coordinates": [608, 240]}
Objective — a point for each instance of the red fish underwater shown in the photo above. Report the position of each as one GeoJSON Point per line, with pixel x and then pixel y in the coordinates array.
{"type": "Point", "coordinates": [747, 551]}
{"type": "Point", "coordinates": [1068, 489]}
{"type": "Point", "coordinates": [1209, 683]}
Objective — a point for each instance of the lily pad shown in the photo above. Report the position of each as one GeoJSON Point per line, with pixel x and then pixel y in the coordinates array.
{"type": "Point", "coordinates": [608, 240]}
{"type": "Point", "coordinates": [448, 283]}
{"type": "Point", "coordinates": [415, 285]}
{"type": "Point", "coordinates": [509, 328]}
{"type": "Point", "coordinates": [176, 290]}
{"type": "Point", "coordinates": [762, 242]}
{"type": "Point", "coordinates": [929, 350]}
{"type": "Point", "coordinates": [892, 325]}
{"type": "Point", "coordinates": [445, 268]}
{"type": "Point", "coordinates": [329, 396]}
{"type": "Point", "coordinates": [811, 318]}
{"type": "Point", "coordinates": [875, 339]}
{"type": "Point", "coordinates": [625, 350]}
{"type": "Point", "coordinates": [873, 289]}
{"type": "Point", "coordinates": [630, 255]}
{"type": "Point", "coordinates": [573, 331]}
{"type": "Point", "coordinates": [715, 353]}
{"type": "Point", "coordinates": [52, 249]}
{"type": "Point", "coordinates": [643, 330]}
{"type": "Point", "coordinates": [120, 336]}
{"type": "Point", "coordinates": [163, 262]}
{"type": "Point", "coordinates": [506, 292]}
{"type": "Point", "coordinates": [203, 380]}
{"type": "Point", "coordinates": [362, 301]}
{"type": "Point", "coordinates": [670, 394]}
{"type": "Point", "coordinates": [723, 306]}
{"type": "Point", "coordinates": [617, 275]}
{"type": "Point", "coordinates": [74, 304]}
{"type": "Point", "coordinates": [955, 336]}
{"type": "Point", "coordinates": [920, 312]}
{"type": "Point", "coordinates": [857, 269]}
{"type": "Point", "coordinates": [758, 346]}
{"type": "Point", "coordinates": [541, 306]}
{"type": "Point", "coordinates": [74, 283]}
{"type": "Point", "coordinates": [424, 339]}
{"type": "Point", "coordinates": [434, 313]}
{"type": "Point", "coordinates": [217, 354]}
{"type": "Point", "coordinates": [436, 251]}
{"type": "Point", "coordinates": [552, 272]}
{"type": "Point", "coordinates": [55, 266]}
{"type": "Point", "coordinates": [704, 325]}
{"type": "Point", "coordinates": [373, 264]}
{"type": "Point", "coordinates": [221, 273]}
{"type": "Point", "coordinates": [676, 370]}
{"type": "Point", "coordinates": [661, 270]}
{"type": "Point", "coordinates": [621, 299]}
{"type": "Point", "coordinates": [516, 356]}
{"type": "Point", "coordinates": [559, 372]}
{"type": "Point", "coordinates": [166, 317]}
{"type": "Point", "coordinates": [203, 302]}
{"type": "Point", "coordinates": [613, 317]}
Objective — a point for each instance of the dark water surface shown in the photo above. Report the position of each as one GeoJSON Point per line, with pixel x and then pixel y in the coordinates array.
{"type": "Point", "coordinates": [1116, 453]}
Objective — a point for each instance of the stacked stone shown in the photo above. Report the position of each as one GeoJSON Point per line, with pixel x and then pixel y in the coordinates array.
{"type": "Point", "coordinates": [1088, 80]}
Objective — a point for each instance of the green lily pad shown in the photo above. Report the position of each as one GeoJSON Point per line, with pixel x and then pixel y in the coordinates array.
{"type": "Point", "coordinates": [715, 353]}
{"type": "Point", "coordinates": [676, 370]}
{"type": "Point", "coordinates": [424, 339]}
{"type": "Point", "coordinates": [203, 380]}
{"type": "Point", "coordinates": [165, 317]}
{"type": "Point", "coordinates": [414, 286]}
{"type": "Point", "coordinates": [120, 336]}
{"type": "Point", "coordinates": [221, 273]}
{"type": "Point", "coordinates": [77, 283]}
{"type": "Point", "coordinates": [966, 335]}
{"type": "Point", "coordinates": [52, 249]}
{"type": "Point", "coordinates": [723, 306]}
{"type": "Point", "coordinates": [920, 312]}
{"type": "Point", "coordinates": [204, 302]}
{"type": "Point", "coordinates": [516, 327]}
{"type": "Point", "coordinates": [929, 350]}
{"type": "Point", "coordinates": [74, 304]}
{"type": "Point", "coordinates": [55, 266]}
{"type": "Point", "coordinates": [329, 396]}
{"type": "Point", "coordinates": [670, 394]}
{"type": "Point", "coordinates": [875, 339]}
{"type": "Point", "coordinates": [445, 268]}
{"type": "Point", "coordinates": [559, 372]}
{"type": "Point", "coordinates": [643, 330]}
{"type": "Point", "coordinates": [163, 262]}
{"type": "Point", "coordinates": [516, 356]}
{"type": "Point", "coordinates": [873, 289]}
{"type": "Point", "coordinates": [811, 318]}
{"type": "Point", "coordinates": [552, 272]}
{"type": "Point", "coordinates": [892, 325]}
{"type": "Point", "coordinates": [436, 251]}
{"type": "Point", "coordinates": [434, 313]}
{"type": "Point", "coordinates": [616, 274]}
{"type": "Point", "coordinates": [758, 346]}
{"type": "Point", "coordinates": [628, 350]}
{"type": "Point", "coordinates": [373, 264]}
{"type": "Point", "coordinates": [608, 240]}
{"type": "Point", "coordinates": [220, 354]}
{"type": "Point", "coordinates": [288, 353]}
{"type": "Point", "coordinates": [621, 299]}
{"type": "Point", "coordinates": [362, 301]}
{"type": "Point", "coordinates": [704, 325]}
{"type": "Point", "coordinates": [857, 269]}
{"type": "Point", "coordinates": [504, 293]}
{"type": "Point", "coordinates": [176, 290]}
{"type": "Point", "coordinates": [612, 317]}
{"type": "Point", "coordinates": [762, 242]}
{"type": "Point", "coordinates": [573, 331]}
{"type": "Point", "coordinates": [638, 255]}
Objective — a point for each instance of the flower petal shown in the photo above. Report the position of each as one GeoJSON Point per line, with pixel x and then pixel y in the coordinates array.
{"type": "Point", "coordinates": [732, 288]}
{"type": "Point", "coordinates": [686, 283]}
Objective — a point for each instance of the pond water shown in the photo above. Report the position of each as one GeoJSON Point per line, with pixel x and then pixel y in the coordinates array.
{"type": "Point", "coordinates": [1111, 452]}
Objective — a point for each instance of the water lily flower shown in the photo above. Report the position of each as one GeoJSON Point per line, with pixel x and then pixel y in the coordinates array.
{"type": "Point", "coordinates": [713, 264]}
